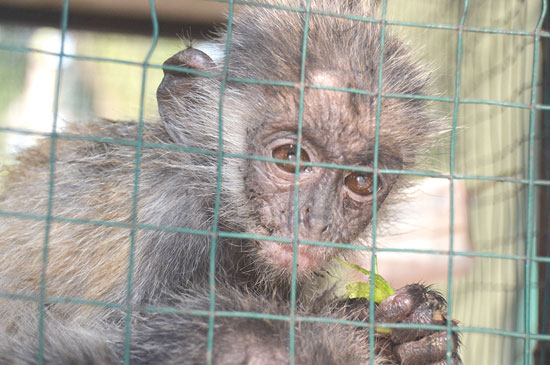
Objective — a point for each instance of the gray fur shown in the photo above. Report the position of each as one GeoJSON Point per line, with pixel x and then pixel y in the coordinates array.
{"type": "Point", "coordinates": [177, 189]}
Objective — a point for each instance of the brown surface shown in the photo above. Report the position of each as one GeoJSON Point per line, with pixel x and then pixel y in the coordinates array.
{"type": "Point", "coordinates": [187, 10]}
{"type": "Point", "coordinates": [176, 17]}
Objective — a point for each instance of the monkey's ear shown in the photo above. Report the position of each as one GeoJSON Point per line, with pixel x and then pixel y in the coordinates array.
{"type": "Point", "coordinates": [178, 90]}
{"type": "Point", "coordinates": [189, 58]}
{"type": "Point", "coordinates": [176, 81]}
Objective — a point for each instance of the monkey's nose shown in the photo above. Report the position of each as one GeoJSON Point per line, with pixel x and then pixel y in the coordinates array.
{"type": "Point", "coordinates": [316, 225]}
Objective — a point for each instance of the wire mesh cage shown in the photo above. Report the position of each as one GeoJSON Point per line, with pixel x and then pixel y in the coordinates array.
{"type": "Point", "coordinates": [477, 226]}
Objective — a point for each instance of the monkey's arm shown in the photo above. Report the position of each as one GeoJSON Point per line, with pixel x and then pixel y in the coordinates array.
{"type": "Point", "coordinates": [241, 336]}
{"type": "Point", "coordinates": [250, 339]}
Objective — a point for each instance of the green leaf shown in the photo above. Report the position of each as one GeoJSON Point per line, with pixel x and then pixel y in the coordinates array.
{"type": "Point", "coordinates": [382, 289]}
{"type": "Point", "coordinates": [384, 331]}
{"type": "Point", "coordinates": [358, 289]}
{"type": "Point", "coordinates": [362, 290]}
{"type": "Point", "coordinates": [353, 266]}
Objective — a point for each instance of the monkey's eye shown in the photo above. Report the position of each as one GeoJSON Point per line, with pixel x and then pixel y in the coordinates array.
{"type": "Point", "coordinates": [288, 152]}
{"type": "Point", "coordinates": [359, 183]}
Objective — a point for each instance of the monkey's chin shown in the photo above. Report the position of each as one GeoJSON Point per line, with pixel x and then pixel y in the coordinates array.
{"type": "Point", "coordinates": [280, 255]}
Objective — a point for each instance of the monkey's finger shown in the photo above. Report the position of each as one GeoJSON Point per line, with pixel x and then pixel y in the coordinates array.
{"type": "Point", "coordinates": [400, 305]}
{"type": "Point", "coordinates": [432, 310]}
{"type": "Point", "coordinates": [431, 349]}
{"type": "Point", "coordinates": [422, 315]}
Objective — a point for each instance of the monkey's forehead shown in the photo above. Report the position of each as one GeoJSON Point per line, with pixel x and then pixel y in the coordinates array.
{"type": "Point", "coordinates": [330, 105]}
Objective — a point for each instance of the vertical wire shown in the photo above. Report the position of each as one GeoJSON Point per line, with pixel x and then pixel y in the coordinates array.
{"type": "Point", "coordinates": [374, 221]}
{"type": "Point", "coordinates": [530, 218]}
{"type": "Point", "coordinates": [212, 269]}
{"type": "Point", "coordinates": [296, 187]}
{"type": "Point", "coordinates": [135, 193]}
{"type": "Point", "coordinates": [49, 218]}
{"type": "Point", "coordinates": [544, 243]}
{"type": "Point", "coordinates": [452, 153]}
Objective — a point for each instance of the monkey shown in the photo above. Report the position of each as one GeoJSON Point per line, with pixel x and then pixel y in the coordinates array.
{"type": "Point", "coordinates": [134, 219]}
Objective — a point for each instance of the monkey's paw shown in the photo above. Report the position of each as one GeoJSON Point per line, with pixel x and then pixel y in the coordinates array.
{"type": "Point", "coordinates": [420, 305]}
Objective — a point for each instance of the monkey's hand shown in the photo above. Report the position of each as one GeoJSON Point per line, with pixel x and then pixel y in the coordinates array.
{"type": "Point", "coordinates": [418, 304]}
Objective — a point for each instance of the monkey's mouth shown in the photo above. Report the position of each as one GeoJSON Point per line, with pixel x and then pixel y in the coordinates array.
{"type": "Point", "coordinates": [278, 254]}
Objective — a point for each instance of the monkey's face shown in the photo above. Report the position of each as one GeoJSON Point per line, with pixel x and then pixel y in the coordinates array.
{"type": "Point", "coordinates": [317, 204]}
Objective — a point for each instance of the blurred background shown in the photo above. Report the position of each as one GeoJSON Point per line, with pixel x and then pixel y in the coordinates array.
{"type": "Point", "coordinates": [496, 292]}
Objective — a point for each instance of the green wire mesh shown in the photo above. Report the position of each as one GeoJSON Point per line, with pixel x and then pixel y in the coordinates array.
{"type": "Point", "coordinates": [529, 182]}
